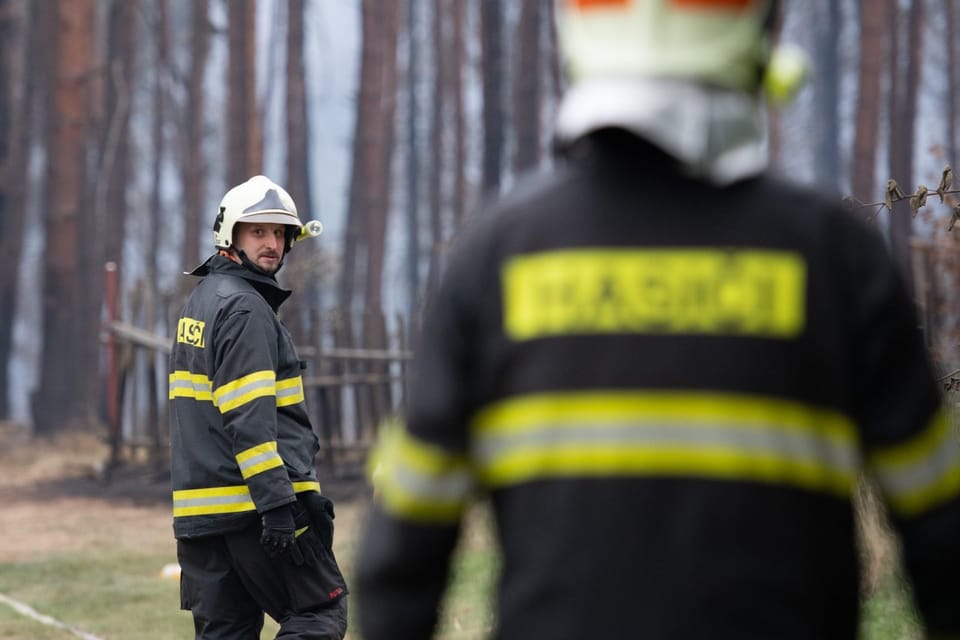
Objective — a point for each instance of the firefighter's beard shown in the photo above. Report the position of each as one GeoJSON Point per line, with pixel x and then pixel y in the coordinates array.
{"type": "Point", "coordinates": [268, 268]}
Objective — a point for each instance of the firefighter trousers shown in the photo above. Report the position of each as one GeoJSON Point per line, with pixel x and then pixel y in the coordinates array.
{"type": "Point", "coordinates": [228, 582]}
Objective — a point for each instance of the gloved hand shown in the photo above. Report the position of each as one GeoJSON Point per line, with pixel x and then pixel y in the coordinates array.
{"type": "Point", "coordinates": [321, 513]}
{"type": "Point", "coordinates": [279, 534]}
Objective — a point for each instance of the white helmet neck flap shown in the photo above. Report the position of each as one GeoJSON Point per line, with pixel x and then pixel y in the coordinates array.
{"type": "Point", "coordinates": [259, 199]}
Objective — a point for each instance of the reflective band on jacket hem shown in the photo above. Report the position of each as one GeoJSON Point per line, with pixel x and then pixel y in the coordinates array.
{"type": "Point", "coordinates": [922, 472]}
{"type": "Point", "coordinates": [706, 435]}
{"type": "Point", "coordinates": [220, 500]}
{"type": "Point", "coordinates": [259, 459]}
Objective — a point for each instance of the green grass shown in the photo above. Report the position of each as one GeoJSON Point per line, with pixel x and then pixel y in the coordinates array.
{"type": "Point", "coordinates": [889, 614]}
{"type": "Point", "coordinates": [118, 593]}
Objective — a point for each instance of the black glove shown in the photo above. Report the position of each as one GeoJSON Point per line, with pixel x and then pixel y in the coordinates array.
{"type": "Point", "coordinates": [321, 513]}
{"type": "Point", "coordinates": [279, 534]}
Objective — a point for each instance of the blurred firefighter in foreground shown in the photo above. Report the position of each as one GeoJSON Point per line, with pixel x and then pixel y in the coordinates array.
{"type": "Point", "coordinates": [253, 532]}
{"type": "Point", "coordinates": [666, 369]}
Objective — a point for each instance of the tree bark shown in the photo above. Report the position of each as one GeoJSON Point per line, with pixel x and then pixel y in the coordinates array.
{"type": "Point", "coordinates": [193, 174]}
{"type": "Point", "coordinates": [59, 401]}
{"type": "Point", "coordinates": [437, 165]}
{"type": "Point", "coordinates": [244, 136]}
{"type": "Point", "coordinates": [364, 143]}
{"type": "Point", "coordinates": [298, 171]}
{"type": "Point", "coordinates": [903, 114]}
{"type": "Point", "coordinates": [413, 162]}
{"type": "Point", "coordinates": [526, 93]}
{"type": "Point", "coordinates": [379, 206]}
{"type": "Point", "coordinates": [459, 120]}
{"type": "Point", "coordinates": [873, 17]}
{"type": "Point", "coordinates": [111, 204]}
{"type": "Point", "coordinates": [827, 94]}
{"type": "Point", "coordinates": [16, 92]}
{"type": "Point", "coordinates": [952, 81]}
{"type": "Point", "coordinates": [491, 34]}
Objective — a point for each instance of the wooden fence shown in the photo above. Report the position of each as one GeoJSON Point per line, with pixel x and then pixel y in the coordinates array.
{"type": "Point", "coordinates": [349, 390]}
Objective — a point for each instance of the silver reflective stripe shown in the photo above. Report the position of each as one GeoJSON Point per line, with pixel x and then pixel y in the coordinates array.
{"type": "Point", "coordinates": [288, 392]}
{"type": "Point", "coordinates": [905, 480]}
{"type": "Point", "coordinates": [196, 386]}
{"type": "Point", "coordinates": [786, 443]}
{"type": "Point", "coordinates": [226, 398]}
{"type": "Point", "coordinates": [451, 486]}
{"type": "Point", "coordinates": [267, 459]}
{"type": "Point", "coordinates": [211, 500]}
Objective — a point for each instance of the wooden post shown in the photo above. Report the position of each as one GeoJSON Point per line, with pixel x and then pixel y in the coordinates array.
{"type": "Point", "coordinates": [113, 381]}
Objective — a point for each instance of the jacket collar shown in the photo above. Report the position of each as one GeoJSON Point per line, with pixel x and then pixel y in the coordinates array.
{"type": "Point", "coordinates": [266, 285]}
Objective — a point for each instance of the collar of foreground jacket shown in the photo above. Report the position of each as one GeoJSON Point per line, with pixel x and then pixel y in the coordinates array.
{"type": "Point", "coordinates": [266, 285]}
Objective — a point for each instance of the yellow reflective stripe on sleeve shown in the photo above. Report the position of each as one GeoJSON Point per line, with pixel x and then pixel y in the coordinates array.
{"type": "Point", "coordinates": [289, 391]}
{"type": "Point", "coordinates": [419, 481]}
{"type": "Point", "coordinates": [672, 434]}
{"type": "Point", "coordinates": [744, 292]}
{"type": "Point", "coordinates": [258, 459]}
{"type": "Point", "coordinates": [923, 472]}
{"type": "Point", "coordinates": [306, 485]}
{"type": "Point", "coordinates": [243, 390]}
{"type": "Point", "coordinates": [184, 384]}
{"type": "Point", "coordinates": [216, 500]}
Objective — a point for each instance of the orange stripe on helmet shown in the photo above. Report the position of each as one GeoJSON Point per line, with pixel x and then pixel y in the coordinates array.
{"type": "Point", "coordinates": [590, 4]}
{"type": "Point", "coordinates": [713, 4]}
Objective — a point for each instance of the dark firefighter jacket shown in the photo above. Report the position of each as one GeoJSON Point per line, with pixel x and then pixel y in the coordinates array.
{"type": "Point", "coordinates": [668, 391]}
{"type": "Point", "coordinates": [241, 441]}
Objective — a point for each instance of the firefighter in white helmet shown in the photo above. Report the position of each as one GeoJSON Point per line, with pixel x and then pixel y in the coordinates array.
{"type": "Point", "coordinates": [254, 533]}
{"type": "Point", "coordinates": [666, 369]}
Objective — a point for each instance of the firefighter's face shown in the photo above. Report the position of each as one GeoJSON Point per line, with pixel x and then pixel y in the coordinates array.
{"type": "Point", "coordinates": [263, 243]}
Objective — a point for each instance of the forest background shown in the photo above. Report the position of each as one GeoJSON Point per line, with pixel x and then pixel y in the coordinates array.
{"type": "Point", "coordinates": [122, 123]}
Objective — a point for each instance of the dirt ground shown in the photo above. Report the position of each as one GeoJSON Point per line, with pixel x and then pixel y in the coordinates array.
{"type": "Point", "coordinates": [56, 496]}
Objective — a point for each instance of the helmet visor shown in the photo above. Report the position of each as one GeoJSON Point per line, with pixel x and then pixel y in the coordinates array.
{"type": "Point", "coordinates": [276, 217]}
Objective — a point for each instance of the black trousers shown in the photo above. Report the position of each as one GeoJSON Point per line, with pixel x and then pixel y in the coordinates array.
{"type": "Point", "coordinates": [228, 582]}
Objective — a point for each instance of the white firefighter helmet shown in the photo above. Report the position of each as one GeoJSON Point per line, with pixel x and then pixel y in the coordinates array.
{"type": "Point", "coordinates": [724, 43]}
{"type": "Point", "coordinates": [259, 199]}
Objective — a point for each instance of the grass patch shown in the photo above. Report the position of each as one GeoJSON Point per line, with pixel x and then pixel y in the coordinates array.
{"type": "Point", "coordinates": [118, 593]}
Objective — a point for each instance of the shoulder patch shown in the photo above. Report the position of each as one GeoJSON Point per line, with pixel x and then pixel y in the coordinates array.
{"type": "Point", "coordinates": [190, 331]}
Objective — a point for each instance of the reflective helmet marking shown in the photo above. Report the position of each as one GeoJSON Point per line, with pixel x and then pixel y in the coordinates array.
{"type": "Point", "coordinates": [271, 200]}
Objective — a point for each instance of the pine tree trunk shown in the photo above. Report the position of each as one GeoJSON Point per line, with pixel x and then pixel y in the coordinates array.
{"type": "Point", "coordinates": [16, 92]}
{"type": "Point", "coordinates": [873, 17]}
{"type": "Point", "coordinates": [903, 114]}
{"type": "Point", "coordinates": [193, 174]}
{"type": "Point", "coordinates": [244, 146]}
{"type": "Point", "coordinates": [59, 401]}
{"type": "Point", "coordinates": [491, 34]}
{"type": "Point", "coordinates": [526, 93]}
